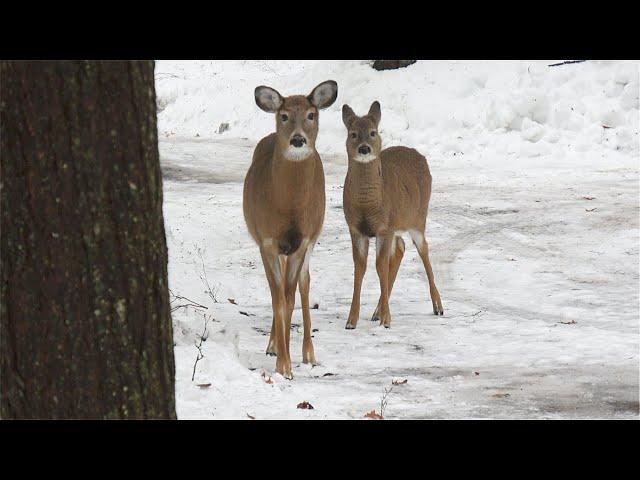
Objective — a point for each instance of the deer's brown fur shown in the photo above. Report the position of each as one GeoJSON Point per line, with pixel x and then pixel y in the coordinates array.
{"type": "Point", "coordinates": [386, 193]}
{"type": "Point", "coordinates": [284, 202]}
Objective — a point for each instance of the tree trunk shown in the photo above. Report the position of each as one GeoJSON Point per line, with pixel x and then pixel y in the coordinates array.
{"type": "Point", "coordinates": [85, 320]}
{"type": "Point", "coordinates": [391, 64]}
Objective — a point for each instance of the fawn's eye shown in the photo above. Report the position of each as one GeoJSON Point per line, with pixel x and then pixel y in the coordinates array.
{"type": "Point", "coordinates": [373, 133]}
{"type": "Point", "coordinates": [354, 134]}
{"type": "Point", "coordinates": [310, 116]}
{"type": "Point", "coordinates": [284, 117]}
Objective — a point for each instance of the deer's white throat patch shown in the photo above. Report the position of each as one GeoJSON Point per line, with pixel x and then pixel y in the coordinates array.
{"type": "Point", "coordinates": [298, 154]}
{"type": "Point", "coordinates": [365, 158]}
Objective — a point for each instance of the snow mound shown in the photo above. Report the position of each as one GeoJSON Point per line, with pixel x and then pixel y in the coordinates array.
{"type": "Point", "coordinates": [440, 107]}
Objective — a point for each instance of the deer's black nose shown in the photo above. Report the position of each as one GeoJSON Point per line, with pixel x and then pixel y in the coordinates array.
{"type": "Point", "coordinates": [298, 141]}
{"type": "Point", "coordinates": [364, 149]}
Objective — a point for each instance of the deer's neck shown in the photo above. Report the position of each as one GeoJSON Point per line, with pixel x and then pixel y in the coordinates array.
{"type": "Point", "coordinates": [293, 181]}
{"type": "Point", "coordinates": [366, 185]}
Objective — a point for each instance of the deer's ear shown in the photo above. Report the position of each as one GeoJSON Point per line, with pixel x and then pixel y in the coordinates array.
{"type": "Point", "coordinates": [347, 115]}
{"type": "Point", "coordinates": [268, 99]}
{"type": "Point", "coordinates": [374, 112]}
{"type": "Point", "coordinates": [324, 94]}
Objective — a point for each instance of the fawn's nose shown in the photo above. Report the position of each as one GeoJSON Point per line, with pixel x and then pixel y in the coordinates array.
{"type": "Point", "coordinates": [297, 141]}
{"type": "Point", "coordinates": [364, 149]}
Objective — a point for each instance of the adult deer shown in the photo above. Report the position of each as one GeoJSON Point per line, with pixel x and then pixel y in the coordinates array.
{"type": "Point", "coordinates": [283, 206]}
{"type": "Point", "coordinates": [386, 193]}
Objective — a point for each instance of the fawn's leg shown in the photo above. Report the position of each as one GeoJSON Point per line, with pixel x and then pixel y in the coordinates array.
{"type": "Point", "coordinates": [360, 250]}
{"type": "Point", "coordinates": [275, 276]}
{"type": "Point", "coordinates": [383, 249]}
{"type": "Point", "coordinates": [423, 249]}
{"type": "Point", "coordinates": [394, 265]}
{"type": "Point", "coordinates": [308, 355]}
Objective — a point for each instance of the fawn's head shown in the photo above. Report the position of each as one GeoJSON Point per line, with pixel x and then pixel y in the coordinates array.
{"type": "Point", "coordinates": [363, 140]}
{"type": "Point", "coordinates": [297, 117]}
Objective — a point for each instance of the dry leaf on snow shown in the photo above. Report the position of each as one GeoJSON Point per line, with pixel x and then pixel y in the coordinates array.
{"type": "Point", "coordinates": [305, 405]}
{"type": "Point", "coordinates": [373, 414]}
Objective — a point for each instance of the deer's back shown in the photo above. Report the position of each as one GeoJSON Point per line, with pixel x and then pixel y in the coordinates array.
{"type": "Point", "coordinates": [407, 186]}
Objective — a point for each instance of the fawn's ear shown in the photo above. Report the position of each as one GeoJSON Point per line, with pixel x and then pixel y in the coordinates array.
{"type": "Point", "coordinates": [347, 115]}
{"type": "Point", "coordinates": [268, 99]}
{"type": "Point", "coordinates": [324, 94]}
{"type": "Point", "coordinates": [374, 112]}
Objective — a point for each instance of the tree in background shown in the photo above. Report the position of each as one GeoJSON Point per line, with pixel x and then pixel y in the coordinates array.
{"type": "Point", "coordinates": [85, 328]}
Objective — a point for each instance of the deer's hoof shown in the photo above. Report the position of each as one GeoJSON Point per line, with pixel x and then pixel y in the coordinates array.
{"type": "Point", "coordinates": [349, 326]}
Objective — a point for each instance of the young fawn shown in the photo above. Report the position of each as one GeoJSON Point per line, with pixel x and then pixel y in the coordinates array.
{"type": "Point", "coordinates": [283, 206]}
{"type": "Point", "coordinates": [386, 193]}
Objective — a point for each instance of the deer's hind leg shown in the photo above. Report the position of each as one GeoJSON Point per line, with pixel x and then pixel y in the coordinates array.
{"type": "Point", "coordinates": [423, 249]}
{"type": "Point", "coordinates": [394, 266]}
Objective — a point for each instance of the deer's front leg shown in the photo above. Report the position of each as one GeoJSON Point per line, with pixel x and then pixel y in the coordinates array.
{"type": "Point", "coordinates": [293, 266]}
{"type": "Point", "coordinates": [383, 247]}
{"type": "Point", "coordinates": [360, 250]}
{"type": "Point", "coordinates": [308, 354]}
{"type": "Point", "coordinates": [271, 347]}
{"type": "Point", "coordinates": [275, 277]}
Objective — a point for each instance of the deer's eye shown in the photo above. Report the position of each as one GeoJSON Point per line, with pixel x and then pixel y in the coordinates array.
{"type": "Point", "coordinates": [354, 134]}
{"type": "Point", "coordinates": [373, 133]}
{"type": "Point", "coordinates": [284, 117]}
{"type": "Point", "coordinates": [310, 116]}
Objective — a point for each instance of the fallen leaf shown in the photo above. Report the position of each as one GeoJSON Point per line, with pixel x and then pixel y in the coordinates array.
{"type": "Point", "coordinates": [589, 198]}
{"type": "Point", "coordinates": [244, 313]}
{"type": "Point", "coordinates": [232, 300]}
{"type": "Point", "coordinates": [305, 405]}
{"type": "Point", "coordinates": [252, 418]}
{"type": "Point", "coordinates": [606, 126]}
{"type": "Point", "coordinates": [571, 322]}
{"type": "Point", "coordinates": [374, 414]}
{"type": "Point", "coordinates": [501, 395]}
{"type": "Point", "coordinates": [328, 374]}
{"type": "Point", "coordinates": [204, 385]}
{"type": "Point", "coordinates": [477, 373]}
{"type": "Point", "coordinates": [590, 209]}
{"type": "Point", "coordinates": [399, 382]}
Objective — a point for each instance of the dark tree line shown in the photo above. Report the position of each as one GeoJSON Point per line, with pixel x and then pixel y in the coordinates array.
{"type": "Point", "coordinates": [85, 329]}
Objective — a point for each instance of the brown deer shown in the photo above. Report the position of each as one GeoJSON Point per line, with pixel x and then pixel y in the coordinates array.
{"type": "Point", "coordinates": [386, 193]}
{"type": "Point", "coordinates": [283, 206]}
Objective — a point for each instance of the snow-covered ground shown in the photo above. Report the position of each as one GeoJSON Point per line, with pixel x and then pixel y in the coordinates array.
{"type": "Point", "coordinates": [533, 230]}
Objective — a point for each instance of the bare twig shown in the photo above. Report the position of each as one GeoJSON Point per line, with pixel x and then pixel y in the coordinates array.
{"type": "Point", "coordinates": [384, 400]}
{"type": "Point", "coordinates": [190, 303]}
{"type": "Point", "coordinates": [566, 63]}
{"type": "Point", "coordinates": [212, 292]}
{"type": "Point", "coordinates": [202, 337]}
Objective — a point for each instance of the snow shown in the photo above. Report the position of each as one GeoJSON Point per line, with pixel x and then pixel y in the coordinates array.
{"type": "Point", "coordinates": [533, 232]}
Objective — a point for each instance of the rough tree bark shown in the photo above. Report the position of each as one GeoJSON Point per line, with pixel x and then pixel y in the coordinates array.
{"type": "Point", "coordinates": [85, 328]}
{"type": "Point", "coordinates": [391, 64]}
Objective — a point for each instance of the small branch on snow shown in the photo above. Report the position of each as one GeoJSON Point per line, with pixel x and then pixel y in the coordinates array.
{"type": "Point", "coordinates": [202, 337]}
{"type": "Point", "coordinates": [566, 63]}
{"type": "Point", "coordinates": [205, 280]}
{"type": "Point", "coordinates": [191, 303]}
